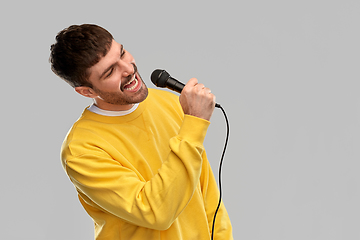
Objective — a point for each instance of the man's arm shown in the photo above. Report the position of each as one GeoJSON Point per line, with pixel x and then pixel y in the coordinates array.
{"type": "Point", "coordinates": [105, 184]}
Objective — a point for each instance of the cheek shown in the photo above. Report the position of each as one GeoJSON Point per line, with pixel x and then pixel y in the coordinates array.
{"type": "Point", "coordinates": [112, 84]}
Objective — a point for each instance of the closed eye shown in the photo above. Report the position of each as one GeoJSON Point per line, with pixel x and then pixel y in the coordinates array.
{"type": "Point", "coordinates": [110, 72]}
{"type": "Point", "coordinates": [107, 73]}
{"type": "Point", "coordinates": [122, 53]}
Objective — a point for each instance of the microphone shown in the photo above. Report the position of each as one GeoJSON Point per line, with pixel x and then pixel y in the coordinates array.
{"type": "Point", "coordinates": [162, 78]}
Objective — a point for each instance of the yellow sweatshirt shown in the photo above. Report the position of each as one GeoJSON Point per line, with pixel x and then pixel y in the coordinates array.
{"type": "Point", "coordinates": [145, 175]}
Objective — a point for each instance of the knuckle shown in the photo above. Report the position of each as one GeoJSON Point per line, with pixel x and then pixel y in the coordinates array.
{"type": "Point", "coordinates": [193, 81]}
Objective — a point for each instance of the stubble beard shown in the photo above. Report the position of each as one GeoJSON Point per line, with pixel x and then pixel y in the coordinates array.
{"type": "Point", "coordinates": [124, 99]}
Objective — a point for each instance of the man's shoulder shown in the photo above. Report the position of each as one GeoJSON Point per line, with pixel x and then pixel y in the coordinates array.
{"type": "Point", "coordinates": [163, 98]}
{"type": "Point", "coordinates": [164, 104]}
{"type": "Point", "coordinates": [163, 94]}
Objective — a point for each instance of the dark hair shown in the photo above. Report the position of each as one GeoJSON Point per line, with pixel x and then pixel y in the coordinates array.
{"type": "Point", "coordinates": [78, 48]}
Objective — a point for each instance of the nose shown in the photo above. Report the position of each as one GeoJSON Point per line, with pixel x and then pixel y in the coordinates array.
{"type": "Point", "coordinates": [127, 68]}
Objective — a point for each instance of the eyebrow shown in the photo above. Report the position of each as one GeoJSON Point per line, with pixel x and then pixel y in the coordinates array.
{"type": "Point", "coordinates": [112, 65]}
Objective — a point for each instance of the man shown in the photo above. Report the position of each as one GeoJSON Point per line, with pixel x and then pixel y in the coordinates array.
{"type": "Point", "coordinates": [136, 156]}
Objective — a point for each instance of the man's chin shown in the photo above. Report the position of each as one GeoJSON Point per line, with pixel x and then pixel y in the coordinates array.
{"type": "Point", "coordinates": [143, 93]}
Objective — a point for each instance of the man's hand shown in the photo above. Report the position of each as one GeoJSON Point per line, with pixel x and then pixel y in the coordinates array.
{"type": "Point", "coordinates": [197, 100]}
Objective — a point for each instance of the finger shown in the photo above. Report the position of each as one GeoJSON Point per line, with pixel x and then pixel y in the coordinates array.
{"type": "Point", "coordinates": [206, 90]}
{"type": "Point", "coordinates": [192, 82]}
{"type": "Point", "coordinates": [200, 86]}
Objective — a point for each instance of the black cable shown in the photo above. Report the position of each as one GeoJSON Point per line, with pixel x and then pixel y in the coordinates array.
{"type": "Point", "coordinates": [220, 168]}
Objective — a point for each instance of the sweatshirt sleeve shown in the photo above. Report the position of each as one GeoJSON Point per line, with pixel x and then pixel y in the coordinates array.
{"type": "Point", "coordinates": [105, 184]}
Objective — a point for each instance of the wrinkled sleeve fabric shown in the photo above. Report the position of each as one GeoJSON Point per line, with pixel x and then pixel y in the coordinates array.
{"type": "Point", "coordinates": [106, 184]}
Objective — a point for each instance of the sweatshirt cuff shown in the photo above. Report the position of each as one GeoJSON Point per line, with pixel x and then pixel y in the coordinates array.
{"type": "Point", "coordinates": [194, 129]}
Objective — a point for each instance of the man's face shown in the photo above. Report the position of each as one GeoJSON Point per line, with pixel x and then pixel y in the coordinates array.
{"type": "Point", "coordinates": [115, 80]}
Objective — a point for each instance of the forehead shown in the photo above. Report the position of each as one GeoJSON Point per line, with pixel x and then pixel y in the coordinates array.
{"type": "Point", "coordinates": [110, 58]}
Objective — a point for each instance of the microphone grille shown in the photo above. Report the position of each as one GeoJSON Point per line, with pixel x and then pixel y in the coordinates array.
{"type": "Point", "coordinates": [159, 77]}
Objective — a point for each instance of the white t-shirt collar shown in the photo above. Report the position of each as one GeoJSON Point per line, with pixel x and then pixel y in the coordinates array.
{"type": "Point", "coordinates": [103, 112]}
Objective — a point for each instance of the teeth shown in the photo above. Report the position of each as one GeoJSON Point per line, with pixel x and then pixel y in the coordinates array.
{"type": "Point", "coordinates": [135, 85]}
{"type": "Point", "coordinates": [133, 78]}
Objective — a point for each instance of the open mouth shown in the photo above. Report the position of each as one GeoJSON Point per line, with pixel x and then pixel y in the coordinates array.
{"type": "Point", "coordinates": [134, 84]}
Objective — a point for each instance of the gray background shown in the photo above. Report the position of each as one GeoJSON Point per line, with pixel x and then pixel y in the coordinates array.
{"type": "Point", "coordinates": [287, 73]}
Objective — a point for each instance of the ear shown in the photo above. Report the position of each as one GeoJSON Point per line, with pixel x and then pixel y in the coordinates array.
{"type": "Point", "coordinates": [86, 91]}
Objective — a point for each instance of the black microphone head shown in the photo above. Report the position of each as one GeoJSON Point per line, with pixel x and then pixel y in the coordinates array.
{"type": "Point", "coordinates": [159, 77]}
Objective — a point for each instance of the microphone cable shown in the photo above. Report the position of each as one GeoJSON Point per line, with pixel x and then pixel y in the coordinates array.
{"type": "Point", "coordinates": [220, 167]}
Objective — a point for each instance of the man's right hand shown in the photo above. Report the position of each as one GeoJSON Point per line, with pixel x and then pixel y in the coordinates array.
{"type": "Point", "coordinates": [197, 100]}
